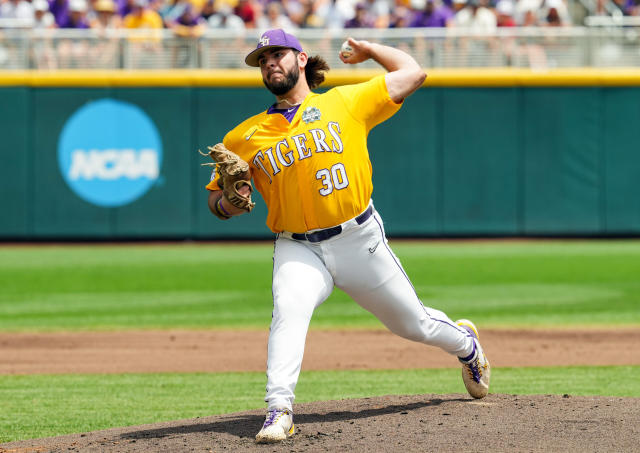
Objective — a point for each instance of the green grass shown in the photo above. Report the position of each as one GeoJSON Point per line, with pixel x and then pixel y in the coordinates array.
{"type": "Point", "coordinates": [539, 283]}
{"type": "Point", "coordinates": [105, 287]}
{"type": "Point", "coordinates": [47, 405]}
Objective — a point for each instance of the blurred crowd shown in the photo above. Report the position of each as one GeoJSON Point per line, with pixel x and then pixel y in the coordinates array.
{"type": "Point", "coordinates": [193, 17]}
{"type": "Point", "coordinates": [187, 20]}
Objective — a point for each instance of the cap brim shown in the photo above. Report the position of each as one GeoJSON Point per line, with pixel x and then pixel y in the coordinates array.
{"type": "Point", "coordinates": [252, 58]}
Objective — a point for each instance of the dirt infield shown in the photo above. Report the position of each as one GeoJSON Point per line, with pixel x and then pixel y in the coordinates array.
{"type": "Point", "coordinates": [218, 351]}
{"type": "Point", "coordinates": [435, 423]}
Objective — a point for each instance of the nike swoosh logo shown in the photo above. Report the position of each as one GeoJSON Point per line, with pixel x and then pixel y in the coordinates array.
{"type": "Point", "coordinates": [249, 136]}
{"type": "Point", "coordinates": [373, 249]}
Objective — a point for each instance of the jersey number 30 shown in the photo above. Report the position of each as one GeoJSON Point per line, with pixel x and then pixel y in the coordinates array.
{"type": "Point", "coordinates": [334, 178]}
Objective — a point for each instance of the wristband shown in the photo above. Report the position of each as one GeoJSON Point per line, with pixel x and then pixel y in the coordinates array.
{"type": "Point", "coordinates": [219, 213]}
{"type": "Point", "coordinates": [221, 208]}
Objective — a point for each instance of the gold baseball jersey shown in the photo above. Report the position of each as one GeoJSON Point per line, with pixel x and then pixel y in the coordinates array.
{"type": "Point", "coordinates": [314, 172]}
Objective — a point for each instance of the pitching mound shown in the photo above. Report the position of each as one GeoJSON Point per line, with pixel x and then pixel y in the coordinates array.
{"type": "Point", "coordinates": [435, 423]}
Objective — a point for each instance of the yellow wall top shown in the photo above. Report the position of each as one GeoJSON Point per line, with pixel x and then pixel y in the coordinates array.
{"type": "Point", "coordinates": [462, 77]}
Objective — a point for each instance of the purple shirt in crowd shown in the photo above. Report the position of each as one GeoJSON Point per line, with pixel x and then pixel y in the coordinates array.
{"type": "Point", "coordinates": [60, 11]}
{"type": "Point", "coordinates": [123, 7]}
{"type": "Point", "coordinates": [436, 18]}
{"type": "Point", "coordinates": [82, 23]}
{"type": "Point", "coordinates": [629, 6]}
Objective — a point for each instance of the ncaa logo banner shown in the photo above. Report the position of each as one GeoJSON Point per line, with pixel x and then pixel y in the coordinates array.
{"type": "Point", "coordinates": [110, 153]}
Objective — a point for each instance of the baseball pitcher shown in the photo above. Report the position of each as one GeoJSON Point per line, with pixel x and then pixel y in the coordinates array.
{"type": "Point", "coordinates": [307, 155]}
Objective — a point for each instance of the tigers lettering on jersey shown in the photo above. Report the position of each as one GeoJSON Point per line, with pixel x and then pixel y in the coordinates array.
{"type": "Point", "coordinates": [313, 169]}
{"type": "Point", "coordinates": [298, 147]}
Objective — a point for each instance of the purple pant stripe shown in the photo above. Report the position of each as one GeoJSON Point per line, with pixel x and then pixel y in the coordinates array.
{"type": "Point", "coordinates": [414, 289]}
{"type": "Point", "coordinates": [393, 256]}
{"type": "Point", "coordinates": [470, 356]}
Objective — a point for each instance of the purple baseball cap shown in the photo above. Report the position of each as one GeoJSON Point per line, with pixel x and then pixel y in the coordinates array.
{"type": "Point", "coordinates": [269, 40]}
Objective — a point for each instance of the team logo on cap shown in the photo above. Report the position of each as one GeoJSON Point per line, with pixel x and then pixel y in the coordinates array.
{"type": "Point", "coordinates": [310, 115]}
{"type": "Point", "coordinates": [264, 41]}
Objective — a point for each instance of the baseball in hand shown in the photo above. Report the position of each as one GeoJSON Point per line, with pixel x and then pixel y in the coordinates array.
{"type": "Point", "coordinates": [346, 50]}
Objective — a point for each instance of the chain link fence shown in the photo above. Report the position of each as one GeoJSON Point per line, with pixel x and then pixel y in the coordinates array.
{"type": "Point", "coordinates": [602, 45]}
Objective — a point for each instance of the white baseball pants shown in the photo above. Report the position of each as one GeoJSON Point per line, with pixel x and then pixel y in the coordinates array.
{"type": "Point", "coordinates": [360, 262]}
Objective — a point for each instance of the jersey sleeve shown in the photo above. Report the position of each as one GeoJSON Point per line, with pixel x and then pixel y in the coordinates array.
{"type": "Point", "coordinates": [369, 102]}
{"type": "Point", "coordinates": [213, 184]}
{"type": "Point", "coordinates": [234, 141]}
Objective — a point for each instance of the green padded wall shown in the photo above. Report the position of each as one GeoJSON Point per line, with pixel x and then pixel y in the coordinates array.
{"type": "Point", "coordinates": [454, 161]}
{"type": "Point", "coordinates": [480, 161]}
{"type": "Point", "coordinates": [621, 160]}
{"type": "Point", "coordinates": [405, 153]}
{"type": "Point", "coordinates": [562, 181]}
{"type": "Point", "coordinates": [56, 211]}
{"type": "Point", "coordinates": [16, 183]}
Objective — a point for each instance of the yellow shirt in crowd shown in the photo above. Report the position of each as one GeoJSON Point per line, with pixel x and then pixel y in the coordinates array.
{"type": "Point", "coordinates": [148, 19]}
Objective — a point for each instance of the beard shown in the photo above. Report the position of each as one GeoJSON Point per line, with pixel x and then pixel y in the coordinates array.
{"type": "Point", "coordinates": [284, 86]}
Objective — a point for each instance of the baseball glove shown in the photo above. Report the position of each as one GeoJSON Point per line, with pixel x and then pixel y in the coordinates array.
{"type": "Point", "coordinates": [234, 173]}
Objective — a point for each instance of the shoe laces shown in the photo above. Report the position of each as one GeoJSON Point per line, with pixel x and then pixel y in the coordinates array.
{"type": "Point", "coordinates": [273, 416]}
{"type": "Point", "coordinates": [474, 369]}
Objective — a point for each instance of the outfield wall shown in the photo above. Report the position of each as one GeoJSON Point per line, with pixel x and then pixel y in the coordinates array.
{"type": "Point", "coordinates": [472, 153]}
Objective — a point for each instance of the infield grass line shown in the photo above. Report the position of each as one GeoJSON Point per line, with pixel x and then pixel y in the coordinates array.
{"type": "Point", "coordinates": [163, 286]}
{"type": "Point", "coordinates": [35, 406]}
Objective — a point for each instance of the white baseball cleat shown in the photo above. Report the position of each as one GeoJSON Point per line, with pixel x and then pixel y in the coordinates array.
{"type": "Point", "coordinates": [278, 425]}
{"type": "Point", "coordinates": [476, 370]}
